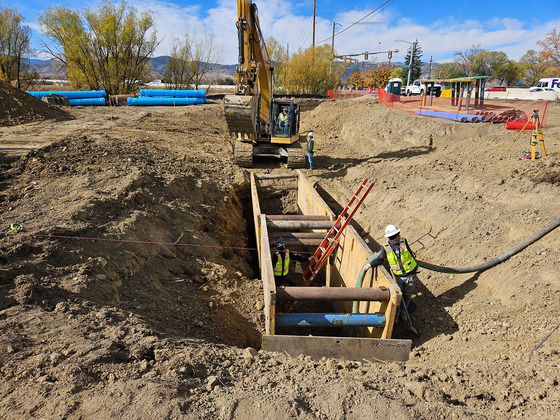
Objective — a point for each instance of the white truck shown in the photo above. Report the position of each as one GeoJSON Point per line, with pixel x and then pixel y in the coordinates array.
{"type": "Point", "coordinates": [549, 82]}
{"type": "Point", "coordinates": [418, 88]}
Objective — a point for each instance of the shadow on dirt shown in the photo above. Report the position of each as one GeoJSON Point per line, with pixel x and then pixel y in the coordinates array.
{"type": "Point", "coordinates": [338, 168]}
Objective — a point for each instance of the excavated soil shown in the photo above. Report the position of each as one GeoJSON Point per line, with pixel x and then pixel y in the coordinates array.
{"type": "Point", "coordinates": [129, 286]}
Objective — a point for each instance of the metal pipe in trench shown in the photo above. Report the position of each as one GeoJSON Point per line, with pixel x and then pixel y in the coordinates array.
{"type": "Point", "coordinates": [332, 293]}
{"type": "Point", "coordinates": [329, 320]}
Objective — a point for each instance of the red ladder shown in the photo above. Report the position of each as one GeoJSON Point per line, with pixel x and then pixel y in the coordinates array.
{"type": "Point", "coordinates": [331, 240]}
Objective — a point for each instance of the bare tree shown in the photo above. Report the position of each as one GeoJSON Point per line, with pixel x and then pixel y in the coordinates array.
{"type": "Point", "coordinates": [550, 52]}
{"type": "Point", "coordinates": [192, 58]}
{"type": "Point", "coordinates": [474, 61]}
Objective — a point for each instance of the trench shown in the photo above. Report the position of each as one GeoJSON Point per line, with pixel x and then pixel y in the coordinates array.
{"type": "Point", "coordinates": [285, 203]}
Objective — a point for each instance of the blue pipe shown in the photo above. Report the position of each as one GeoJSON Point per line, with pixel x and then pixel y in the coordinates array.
{"type": "Point", "coordinates": [174, 93]}
{"type": "Point", "coordinates": [329, 320]}
{"type": "Point", "coordinates": [88, 102]}
{"type": "Point", "coordinates": [70, 94]}
{"type": "Point", "coordinates": [143, 100]}
{"type": "Point", "coordinates": [450, 115]}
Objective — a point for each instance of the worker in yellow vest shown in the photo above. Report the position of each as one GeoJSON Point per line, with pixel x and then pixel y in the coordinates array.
{"type": "Point", "coordinates": [284, 120]}
{"type": "Point", "coordinates": [281, 264]}
{"type": "Point", "coordinates": [403, 265]}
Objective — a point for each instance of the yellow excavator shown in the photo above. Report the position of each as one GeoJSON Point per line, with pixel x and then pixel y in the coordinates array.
{"type": "Point", "coordinates": [262, 125]}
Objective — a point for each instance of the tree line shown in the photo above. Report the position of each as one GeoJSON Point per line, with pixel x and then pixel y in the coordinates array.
{"type": "Point", "coordinates": [109, 47]}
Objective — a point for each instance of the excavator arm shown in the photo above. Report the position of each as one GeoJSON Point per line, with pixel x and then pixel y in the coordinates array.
{"type": "Point", "coordinates": [252, 114]}
{"type": "Point", "coordinates": [248, 112]}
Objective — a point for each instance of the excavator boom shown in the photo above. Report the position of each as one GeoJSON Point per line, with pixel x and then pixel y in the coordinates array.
{"type": "Point", "coordinates": [252, 115]}
{"type": "Point", "coordinates": [247, 113]}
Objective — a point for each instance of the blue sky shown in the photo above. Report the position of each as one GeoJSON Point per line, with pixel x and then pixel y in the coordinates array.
{"type": "Point", "coordinates": [440, 27]}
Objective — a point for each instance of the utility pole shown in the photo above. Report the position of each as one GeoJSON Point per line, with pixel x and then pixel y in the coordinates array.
{"type": "Point", "coordinates": [314, 2]}
{"type": "Point", "coordinates": [430, 70]}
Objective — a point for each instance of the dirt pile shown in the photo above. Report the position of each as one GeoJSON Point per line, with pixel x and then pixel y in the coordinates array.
{"type": "Point", "coordinates": [129, 286]}
{"type": "Point", "coordinates": [19, 107]}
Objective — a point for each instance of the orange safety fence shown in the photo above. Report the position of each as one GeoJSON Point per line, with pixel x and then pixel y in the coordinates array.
{"type": "Point", "coordinates": [469, 109]}
{"type": "Point", "coordinates": [345, 94]}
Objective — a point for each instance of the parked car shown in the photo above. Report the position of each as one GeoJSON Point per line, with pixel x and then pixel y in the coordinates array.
{"type": "Point", "coordinates": [541, 89]}
{"type": "Point", "coordinates": [496, 89]}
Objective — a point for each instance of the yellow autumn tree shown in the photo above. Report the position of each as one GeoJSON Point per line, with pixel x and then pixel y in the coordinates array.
{"type": "Point", "coordinates": [312, 71]}
{"type": "Point", "coordinates": [356, 79]}
{"type": "Point", "coordinates": [108, 47]}
{"type": "Point", "coordinates": [378, 78]}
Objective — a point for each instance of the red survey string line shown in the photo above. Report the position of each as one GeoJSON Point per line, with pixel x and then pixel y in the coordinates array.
{"type": "Point", "coordinates": [143, 242]}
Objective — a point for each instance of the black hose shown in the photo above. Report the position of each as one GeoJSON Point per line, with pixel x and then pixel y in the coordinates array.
{"type": "Point", "coordinates": [499, 259]}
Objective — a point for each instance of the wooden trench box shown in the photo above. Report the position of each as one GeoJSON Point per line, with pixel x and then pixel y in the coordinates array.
{"type": "Point", "coordinates": [338, 287]}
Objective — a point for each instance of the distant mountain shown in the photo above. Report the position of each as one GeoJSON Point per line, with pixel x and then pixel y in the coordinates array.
{"type": "Point", "coordinates": [56, 70]}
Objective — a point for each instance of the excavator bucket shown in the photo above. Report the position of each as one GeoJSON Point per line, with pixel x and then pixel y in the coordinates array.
{"type": "Point", "coordinates": [240, 116]}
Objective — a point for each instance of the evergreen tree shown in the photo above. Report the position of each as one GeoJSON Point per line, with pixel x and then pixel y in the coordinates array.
{"type": "Point", "coordinates": [416, 68]}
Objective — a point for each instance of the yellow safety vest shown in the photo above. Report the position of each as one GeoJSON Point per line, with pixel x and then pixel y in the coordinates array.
{"type": "Point", "coordinates": [284, 118]}
{"type": "Point", "coordinates": [313, 149]}
{"type": "Point", "coordinates": [407, 259]}
{"type": "Point", "coordinates": [282, 270]}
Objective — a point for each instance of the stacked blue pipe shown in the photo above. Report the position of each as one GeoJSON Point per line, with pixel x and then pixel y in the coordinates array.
{"type": "Point", "coordinates": [87, 102]}
{"type": "Point", "coordinates": [144, 100]}
{"type": "Point", "coordinates": [76, 97]}
{"type": "Point", "coordinates": [152, 97]}
{"type": "Point", "coordinates": [174, 93]}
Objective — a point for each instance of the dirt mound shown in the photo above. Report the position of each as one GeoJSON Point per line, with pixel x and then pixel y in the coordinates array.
{"type": "Point", "coordinates": [129, 283]}
{"type": "Point", "coordinates": [19, 107]}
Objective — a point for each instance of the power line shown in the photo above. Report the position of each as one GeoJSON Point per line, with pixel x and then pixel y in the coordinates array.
{"type": "Point", "coordinates": [303, 34]}
{"type": "Point", "coordinates": [359, 21]}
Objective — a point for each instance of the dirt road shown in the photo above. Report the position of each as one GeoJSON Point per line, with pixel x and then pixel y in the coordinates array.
{"type": "Point", "coordinates": [129, 287]}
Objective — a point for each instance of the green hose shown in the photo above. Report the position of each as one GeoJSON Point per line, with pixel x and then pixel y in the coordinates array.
{"type": "Point", "coordinates": [499, 259]}
{"type": "Point", "coordinates": [480, 267]}
{"type": "Point", "coordinates": [365, 267]}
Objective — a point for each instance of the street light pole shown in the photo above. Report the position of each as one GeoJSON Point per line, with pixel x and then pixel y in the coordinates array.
{"type": "Point", "coordinates": [332, 42]}
{"type": "Point", "coordinates": [411, 56]}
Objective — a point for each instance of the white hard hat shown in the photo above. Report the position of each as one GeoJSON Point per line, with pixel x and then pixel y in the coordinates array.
{"type": "Point", "coordinates": [391, 230]}
{"type": "Point", "coordinates": [310, 134]}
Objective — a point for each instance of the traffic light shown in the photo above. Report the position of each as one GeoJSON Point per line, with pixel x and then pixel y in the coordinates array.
{"type": "Point", "coordinates": [390, 54]}
{"type": "Point", "coordinates": [365, 56]}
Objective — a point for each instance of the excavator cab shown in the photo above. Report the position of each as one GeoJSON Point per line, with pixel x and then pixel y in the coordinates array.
{"type": "Point", "coordinates": [284, 122]}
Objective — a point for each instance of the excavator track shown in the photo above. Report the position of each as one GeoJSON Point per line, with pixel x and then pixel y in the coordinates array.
{"type": "Point", "coordinates": [296, 156]}
{"type": "Point", "coordinates": [243, 154]}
